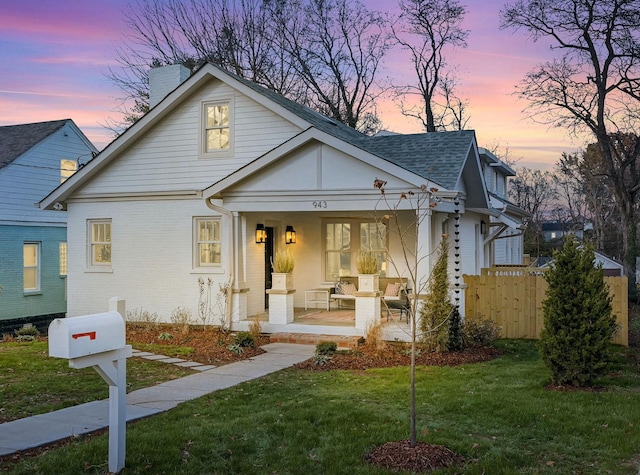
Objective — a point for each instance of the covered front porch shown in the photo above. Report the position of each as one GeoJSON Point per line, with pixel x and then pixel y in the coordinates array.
{"type": "Point", "coordinates": [338, 322]}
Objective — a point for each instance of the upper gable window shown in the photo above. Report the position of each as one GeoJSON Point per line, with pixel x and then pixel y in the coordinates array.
{"type": "Point", "coordinates": [217, 127]}
{"type": "Point", "coordinates": [67, 168]}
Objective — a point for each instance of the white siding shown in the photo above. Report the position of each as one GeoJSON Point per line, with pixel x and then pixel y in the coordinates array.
{"type": "Point", "coordinates": [151, 257]}
{"type": "Point", "coordinates": [35, 174]}
{"type": "Point", "coordinates": [167, 157]}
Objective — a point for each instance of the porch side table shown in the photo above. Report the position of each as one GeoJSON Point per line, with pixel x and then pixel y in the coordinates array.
{"type": "Point", "coordinates": [316, 296]}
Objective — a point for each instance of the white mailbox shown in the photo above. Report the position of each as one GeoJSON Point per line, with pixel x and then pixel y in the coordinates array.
{"type": "Point", "coordinates": [75, 337]}
{"type": "Point", "coordinates": [98, 340]}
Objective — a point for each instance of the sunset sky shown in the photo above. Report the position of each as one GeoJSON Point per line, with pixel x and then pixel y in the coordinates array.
{"type": "Point", "coordinates": [55, 55]}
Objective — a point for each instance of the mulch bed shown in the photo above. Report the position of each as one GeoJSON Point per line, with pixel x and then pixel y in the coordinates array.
{"type": "Point", "coordinates": [400, 456]}
{"type": "Point", "coordinates": [210, 345]}
{"type": "Point", "coordinates": [397, 354]}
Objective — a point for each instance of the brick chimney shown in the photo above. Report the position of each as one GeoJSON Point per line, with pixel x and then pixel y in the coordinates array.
{"type": "Point", "coordinates": [164, 80]}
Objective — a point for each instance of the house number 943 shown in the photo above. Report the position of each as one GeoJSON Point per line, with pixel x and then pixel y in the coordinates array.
{"type": "Point", "coordinates": [319, 204]}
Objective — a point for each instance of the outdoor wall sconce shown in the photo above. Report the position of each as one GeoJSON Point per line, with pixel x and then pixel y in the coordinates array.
{"type": "Point", "coordinates": [290, 235]}
{"type": "Point", "coordinates": [483, 227]}
{"type": "Point", "coordinates": [261, 234]}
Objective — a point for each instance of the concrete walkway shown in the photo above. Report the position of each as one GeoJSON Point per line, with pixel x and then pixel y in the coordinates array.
{"type": "Point", "coordinates": [73, 421]}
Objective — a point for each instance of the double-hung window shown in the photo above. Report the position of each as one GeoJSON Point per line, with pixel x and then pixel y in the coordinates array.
{"type": "Point", "coordinates": [99, 231]}
{"type": "Point", "coordinates": [31, 256]}
{"type": "Point", "coordinates": [63, 258]}
{"type": "Point", "coordinates": [207, 245]}
{"type": "Point", "coordinates": [345, 239]}
{"type": "Point", "coordinates": [217, 127]}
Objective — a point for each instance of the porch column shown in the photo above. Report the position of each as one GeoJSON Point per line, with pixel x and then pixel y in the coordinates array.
{"type": "Point", "coordinates": [424, 251]}
{"type": "Point", "coordinates": [367, 309]}
{"type": "Point", "coordinates": [238, 297]}
{"type": "Point", "coordinates": [280, 306]}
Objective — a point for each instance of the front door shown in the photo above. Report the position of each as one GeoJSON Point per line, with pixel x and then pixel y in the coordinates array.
{"type": "Point", "coordinates": [268, 258]}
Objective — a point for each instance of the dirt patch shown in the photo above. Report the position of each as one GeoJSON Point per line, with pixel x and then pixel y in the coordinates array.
{"type": "Point", "coordinates": [210, 345]}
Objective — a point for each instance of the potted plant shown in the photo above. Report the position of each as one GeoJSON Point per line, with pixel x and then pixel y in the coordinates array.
{"type": "Point", "coordinates": [283, 263]}
{"type": "Point", "coordinates": [368, 277]}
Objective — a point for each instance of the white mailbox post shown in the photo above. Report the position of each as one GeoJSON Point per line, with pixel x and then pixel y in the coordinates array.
{"type": "Point", "coordinates": [99, 340]}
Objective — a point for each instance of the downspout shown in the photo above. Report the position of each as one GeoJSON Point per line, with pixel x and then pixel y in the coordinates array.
{"type": "Point", "coordinates": [231, 257]}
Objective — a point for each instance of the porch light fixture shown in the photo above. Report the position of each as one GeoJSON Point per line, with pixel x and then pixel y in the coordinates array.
{"type": "Point", "coordinates": [290, 235]}
{"type": "Point", "coordinates": [261, 234]}
{"type": "Point", "coordinates": [483, 227]}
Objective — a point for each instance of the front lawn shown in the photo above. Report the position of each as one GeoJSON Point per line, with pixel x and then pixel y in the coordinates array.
{"type": "Point", "coordinates": [33, 383]}
{"type": "Point", "coordinates": [498, 415]}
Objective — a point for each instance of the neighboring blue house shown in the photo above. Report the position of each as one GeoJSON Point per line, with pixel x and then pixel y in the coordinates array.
{"type": "Point", "coordinates": [35, 159]}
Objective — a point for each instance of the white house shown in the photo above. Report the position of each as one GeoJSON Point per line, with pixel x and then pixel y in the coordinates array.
{"type": "Point", "coordinates": [179, 197]}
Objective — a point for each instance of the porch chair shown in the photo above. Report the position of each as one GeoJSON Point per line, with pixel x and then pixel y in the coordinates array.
{"type": "Point", "coordinates": [396, 297]}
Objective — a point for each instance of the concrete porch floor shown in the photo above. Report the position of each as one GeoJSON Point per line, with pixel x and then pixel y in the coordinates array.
{"type": "Point", "coordinates": [340, 322]}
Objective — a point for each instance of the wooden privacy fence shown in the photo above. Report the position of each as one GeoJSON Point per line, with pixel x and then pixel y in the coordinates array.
{"type": "Point", "coordinates": [512, 297]}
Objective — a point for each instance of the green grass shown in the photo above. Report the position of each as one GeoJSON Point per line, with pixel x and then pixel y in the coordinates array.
{"type": "Point", "coordinates": [33, 383]}
{"type": "Point", "coordinates": [497, 415]}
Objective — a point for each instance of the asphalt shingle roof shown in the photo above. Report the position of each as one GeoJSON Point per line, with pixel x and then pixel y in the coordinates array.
{"type": "Point", "coordinates": [18, 139]}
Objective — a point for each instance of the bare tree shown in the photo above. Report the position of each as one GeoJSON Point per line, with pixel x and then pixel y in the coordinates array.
{"type": "Point", "coordinates": [535, 192]}
{"type": "Point", "coordinates": [593, 87]}
{"type": "Point", "coordinates": [583, 187]}
{"type": "Point", "coordinates": [321, 53]}
{"type": "Point", "coordinates": [424, 29]}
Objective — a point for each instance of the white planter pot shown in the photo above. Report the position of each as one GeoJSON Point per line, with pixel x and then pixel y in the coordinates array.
{"type": "Point", "coordinates": [368, 282]}
{"type": "Point", "coordinates": [281, 281]}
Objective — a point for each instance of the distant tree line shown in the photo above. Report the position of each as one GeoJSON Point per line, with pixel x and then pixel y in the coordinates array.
{"type": "Point", "coordinates": [325, 54]}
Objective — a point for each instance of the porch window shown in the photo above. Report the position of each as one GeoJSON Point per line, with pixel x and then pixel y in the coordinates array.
{"type": "Point", "coordinates": [207, 245]}
{"type": "Point", "coordinates": [345, 240]}
{"type": "Point", "coordinates": [31, 256]}
{"type": "Point", "coordinates": [99, 242]}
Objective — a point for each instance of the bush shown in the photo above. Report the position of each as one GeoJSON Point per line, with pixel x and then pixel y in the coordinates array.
{"type": "Point", "coordinates": [244, 340]}
{"type": "Point", "coordinates": [578, 321]}
{"type": "Point", "coordinates": [455, 341]}
{"type": "Point", "coordinates": [326, 348]}
{"type": "Point", "coordinates": [283, 262]}
{"type": "Point", "coordinates": [478, 333]}
{"type": "Point", "coordinates": [436, 312]}
{"type": "Point", "coordinates": [28, 332]}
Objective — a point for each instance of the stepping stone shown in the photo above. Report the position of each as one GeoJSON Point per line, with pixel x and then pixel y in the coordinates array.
{"type": "Point", "coordinates": [156, 357]}
{"type": "Point", "coordinates": [189, 364]}
{"type": "Point", "coordinates": [172, 360]}
{"type": "Point", "coordinates": [140, 353]}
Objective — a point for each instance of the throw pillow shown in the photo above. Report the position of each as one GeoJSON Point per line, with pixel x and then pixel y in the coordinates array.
{"type": "Point", "coordinates": [349, 289]}
{"type": "Point", "coordinates": [392, 289]}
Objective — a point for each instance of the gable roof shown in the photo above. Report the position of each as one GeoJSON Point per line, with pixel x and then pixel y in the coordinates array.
{"type": "Point", "coordinates": [15, 140]}
{"type": "Point", "coordinates": [439, 157]}
{"type": "Point", "coordinates": [435, 156]}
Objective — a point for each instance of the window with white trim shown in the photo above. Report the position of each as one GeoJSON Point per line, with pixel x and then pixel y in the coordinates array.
{"type": "Point", "coordinates": [216, 127]}
{"type": "Point", "coordinates": [344, 239]}
{"type": "Point", "coordinates": [207, 249]}
{"type": "Point", "coordinates": [63, 258]}
{"type": "Point", "coordinates": [31, 258]}
{"type": "Point", "coordinates": [99, 232]}
{"type": "Point", "coordinates": [67, 168]}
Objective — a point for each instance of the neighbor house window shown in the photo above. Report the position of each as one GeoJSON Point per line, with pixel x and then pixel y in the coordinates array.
{"type": "Point", "coordinates": [67, 168]}
{"type": "Point", "coordinates": [63, 258]}
{"type": "Point", "coordinates": [345, 240]}
{"type": "Point", "coordinates": [217, 127]}
{"type": "Point", "coordinates": [31, 253]}
{"type": "Point", "coordinates": [100, 242]}
{"type": "Point", "coordinates": [207, 246]}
